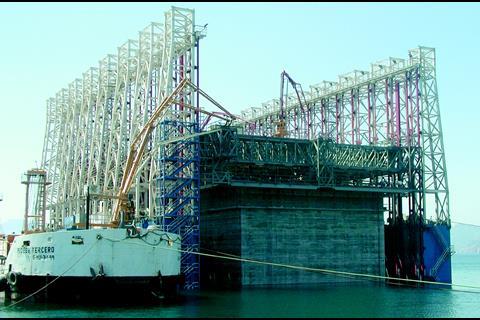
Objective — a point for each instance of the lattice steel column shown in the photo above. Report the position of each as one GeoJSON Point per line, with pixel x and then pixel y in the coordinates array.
{"type": "Point", "coordinates": [178, 192]}
{"type": "Point", "coordinates": [48, 153]}
{"type": "Point", "coordinates": [90, 124]}
{"type": "Point", "coordinates": [434, 164]}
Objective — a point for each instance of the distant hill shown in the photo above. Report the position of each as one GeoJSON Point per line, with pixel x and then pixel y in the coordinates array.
{"type": "Point", "coordinates": [465, 238]}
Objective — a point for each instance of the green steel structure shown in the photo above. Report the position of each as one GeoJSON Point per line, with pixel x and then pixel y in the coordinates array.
{"type": "Point", "coordinates": [230, 158]}
{"type": "Point", "coordinates": [395, 104]}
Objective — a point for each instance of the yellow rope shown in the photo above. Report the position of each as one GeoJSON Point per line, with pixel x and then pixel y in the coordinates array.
{"type": "Point", "coordinates": [334, 272]}
{"type": "Point", "coordinates": [237, 258]}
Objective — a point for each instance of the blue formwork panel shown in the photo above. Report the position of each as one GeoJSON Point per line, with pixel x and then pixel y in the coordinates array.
{"type": "Point", "coordinates": [436, 255]}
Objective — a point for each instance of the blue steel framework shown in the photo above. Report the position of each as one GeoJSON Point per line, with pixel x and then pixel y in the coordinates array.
{"type": "Point", "coordinates": [178, 202]}
{"type": "Point", "coordinates": [179, 195]}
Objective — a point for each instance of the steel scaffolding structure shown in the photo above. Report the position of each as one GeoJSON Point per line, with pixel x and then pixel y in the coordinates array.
{"type": "Point", "coordinates": [91, 123]}
{"type": "Point", "coordinates": [377, 131]}
{"type": "Point", "coordinates": [35, 200]}
{"type": "Point", "coordinates": [236, 159]}
{"type": "Point", "coordinates": [395, 104]}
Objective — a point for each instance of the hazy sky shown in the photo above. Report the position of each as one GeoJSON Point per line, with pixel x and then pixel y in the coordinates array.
{"type": "Point", "coordinates": [46, 46]}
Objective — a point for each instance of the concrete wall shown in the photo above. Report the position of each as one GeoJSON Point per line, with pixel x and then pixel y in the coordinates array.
{"type": "Point", "coordinates": [320, 229]}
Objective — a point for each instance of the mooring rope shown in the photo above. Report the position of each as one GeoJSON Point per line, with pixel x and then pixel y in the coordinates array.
{"type": "Point", "coordinates": [327, 271]}
{"type": "Point", "coordinates": [223, 255]}
{"type": "Point", "coordinates": [466, 224]}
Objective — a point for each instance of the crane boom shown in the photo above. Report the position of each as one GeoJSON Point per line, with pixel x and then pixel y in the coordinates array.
{"type": "Point", "coordinates": [281, 130]}
{"type": "Point", "coordinates": [138, 145]}
{"type": "Point", "coordinates": [295, 86]}
{"type": "Point", "coordinates": [136, 151]}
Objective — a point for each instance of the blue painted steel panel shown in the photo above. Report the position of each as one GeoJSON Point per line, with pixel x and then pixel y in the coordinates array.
{"type": "Point", "coordinates": [437, 253]}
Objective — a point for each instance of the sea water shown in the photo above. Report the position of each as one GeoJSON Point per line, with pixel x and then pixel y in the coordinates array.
{"type": "Point", "coordinates": [359, 299]}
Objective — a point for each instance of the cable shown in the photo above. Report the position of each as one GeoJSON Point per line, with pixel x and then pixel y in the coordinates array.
{"type": "Point", "coordinates": [58, 277]}
{"type": "Point", "coordinates": [351, 277]}
{"type": "Point", "coordinates": [239, 258]}
{"type": "Point", "coordinates": [233, 255]}
{"type": "Point", "coordinates": [466, 224]}
{"type": "Point", "coordinates": [334, 272]}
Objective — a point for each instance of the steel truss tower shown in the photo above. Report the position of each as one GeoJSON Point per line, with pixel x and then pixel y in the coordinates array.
{"type": "Point", "coordinates": [395, 104]}
{"type": "Point", "coordinates": [35, 200]}
{"type": "Point", "coordinates": [91, 123]}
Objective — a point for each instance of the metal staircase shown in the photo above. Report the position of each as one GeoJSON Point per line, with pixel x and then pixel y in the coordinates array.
{"type": "Point", "coordinates": [447, 251]}
{"type": "Point", "coordinates": [179, 194]}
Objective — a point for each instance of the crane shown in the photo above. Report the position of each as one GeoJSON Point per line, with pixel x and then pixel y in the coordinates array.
{"type": "Point", "coordinates": [281, 130]}
{"type": "Point", "coordinates": [138, 145]}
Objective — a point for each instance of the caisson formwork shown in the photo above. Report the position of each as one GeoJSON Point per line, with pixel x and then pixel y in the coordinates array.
{"type": "Point", "coordinates": [349, 175]}
{"type": "Point", "coordinates": [349, 154]}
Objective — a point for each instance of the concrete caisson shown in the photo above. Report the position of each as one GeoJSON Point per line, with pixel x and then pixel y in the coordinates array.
{"type": "Point", "coordinates": [317, 228]}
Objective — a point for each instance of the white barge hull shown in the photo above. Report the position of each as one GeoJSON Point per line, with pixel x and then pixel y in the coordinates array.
{"type": "Point", "coordinates": [113, 256]}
